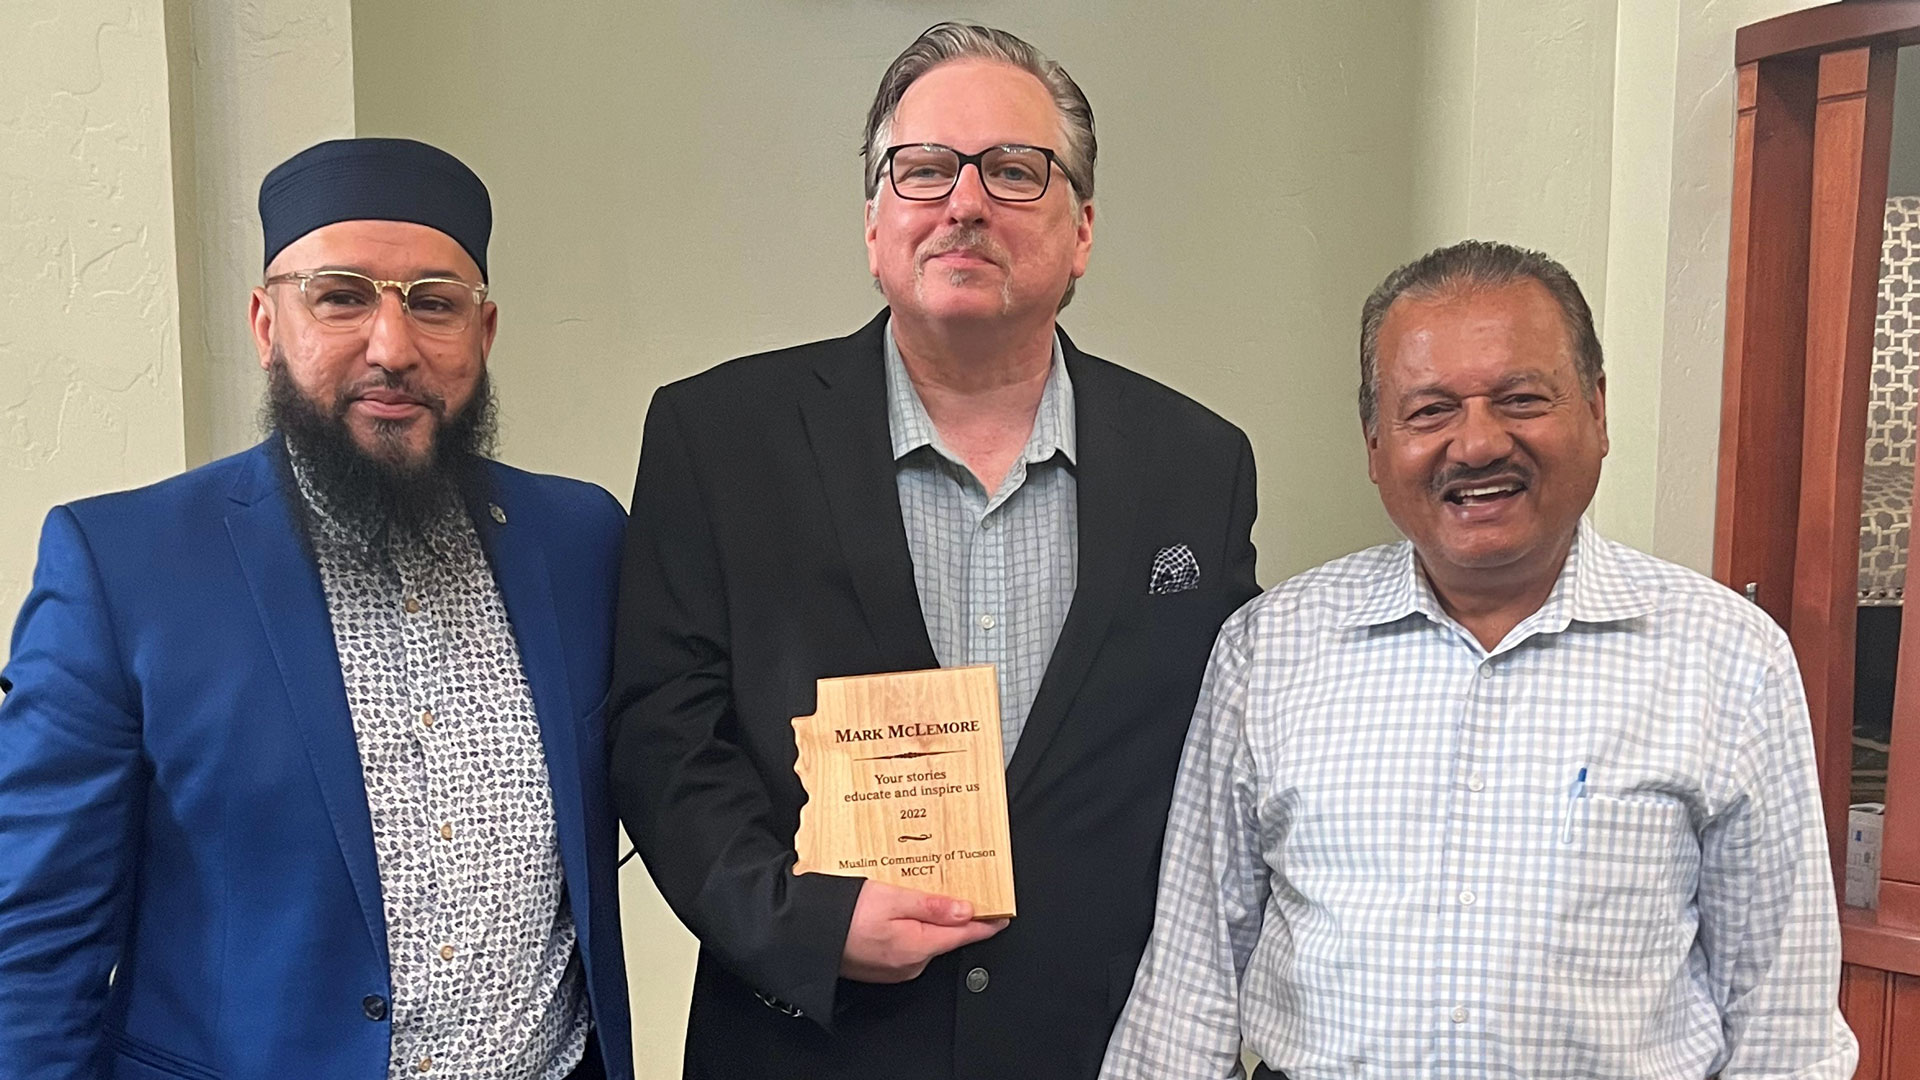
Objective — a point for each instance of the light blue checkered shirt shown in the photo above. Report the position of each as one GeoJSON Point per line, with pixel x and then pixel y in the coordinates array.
{"type": "Point", "coordinates": [1378, 863]}
{"type": "Point", "coordinates": [995, 572]}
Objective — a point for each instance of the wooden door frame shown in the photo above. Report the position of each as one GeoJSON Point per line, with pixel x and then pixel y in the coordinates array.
{"type": "Point", "coordinates": [1812, 140]}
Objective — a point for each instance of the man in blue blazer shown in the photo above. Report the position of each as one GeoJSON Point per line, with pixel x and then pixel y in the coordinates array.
{"type": "Point", "coordinates": [301, 763]}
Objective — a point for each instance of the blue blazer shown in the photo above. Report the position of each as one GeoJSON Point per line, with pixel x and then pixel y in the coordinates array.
{"type": "Point", "coordinates": [187, 875]}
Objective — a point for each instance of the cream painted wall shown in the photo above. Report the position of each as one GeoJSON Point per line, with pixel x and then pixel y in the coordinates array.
{"type": "Point", "coordinates": [1632, 296]}
{"type": "Point", "coordinates": [1515, 111]}
{"type": "Point", "coordinates": [1519, 131]}
{"type": "Point", "coordinates": [1602, 132]}
{"type": "Point", "coordinates": [677, 183]}
{"type": "Point", "coordinates": [1693, 320]}
{"type": "Point", "coordinates": [90, 394]}
{"type": "Point", "coordinates": [1903, 172]}
{"type": "Point", "coordinates": [254, 81]}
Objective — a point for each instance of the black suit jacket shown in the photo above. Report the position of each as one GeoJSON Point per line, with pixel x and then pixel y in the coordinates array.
{"type": "Point", "coordinates": [766, 551]}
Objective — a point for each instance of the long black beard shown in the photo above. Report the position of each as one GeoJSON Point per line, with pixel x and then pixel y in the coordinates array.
{"type": "Point", "coordinates": [382, 498]}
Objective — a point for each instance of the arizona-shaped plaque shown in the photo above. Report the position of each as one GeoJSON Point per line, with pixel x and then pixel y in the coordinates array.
{"type": "Point", "coordinates": [906, 785]}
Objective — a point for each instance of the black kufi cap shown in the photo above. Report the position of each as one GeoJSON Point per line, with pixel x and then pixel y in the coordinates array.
{"type": "Point", "coordinates": [375, 179]}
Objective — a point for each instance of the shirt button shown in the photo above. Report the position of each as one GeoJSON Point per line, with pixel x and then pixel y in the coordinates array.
{"type": "Point", "coordinates": [374, 1007]}
{"type": "Point", "coordinates": [1467, 897]}
{"type": "Point", "coordinates": [413, 608]}
{"type": "Point", "coordinates": [1459, 1015]}
{"type": "Point", "coordinates": [446, 831]}
{"type": "Point", "coordinates": [976, 980]}
{"type": "Point", "coordinates": [1486, 670]}
{"type": "Point", "coordinates": [426, 717]}
{"type": "Point", "coordinates": [426, 1064]}
{"type": "Point", "coordinates": [1476, 782]}
{"type": "Point", "coordinates": [446, 952]}
{"type": "Point", "coordinates": [987, 622]}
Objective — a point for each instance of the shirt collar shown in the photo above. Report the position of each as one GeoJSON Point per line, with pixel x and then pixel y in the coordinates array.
{"type": "Point", "coordinates": [1594, 586]}
{"type": "Point", "coordinates": [911, 428]}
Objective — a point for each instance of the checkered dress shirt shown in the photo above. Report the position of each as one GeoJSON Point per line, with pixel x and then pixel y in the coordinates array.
{"type": "Point", "coordinates": [995, 572]}
{"type": "Point", "coordinates": [1380, 862]}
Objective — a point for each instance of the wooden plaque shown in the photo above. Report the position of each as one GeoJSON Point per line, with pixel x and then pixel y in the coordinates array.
{"type": "Point", "coordinates": [906, 784]}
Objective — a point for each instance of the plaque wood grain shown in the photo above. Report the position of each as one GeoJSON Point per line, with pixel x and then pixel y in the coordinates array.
{"type": "Point", "coordinates": [906, 784]}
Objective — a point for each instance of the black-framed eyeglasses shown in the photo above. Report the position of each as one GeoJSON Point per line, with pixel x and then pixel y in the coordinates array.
{"type": "Point", "coordinates": [1011, 172]}
{"type": "Point", "coordinates": [344, 299]}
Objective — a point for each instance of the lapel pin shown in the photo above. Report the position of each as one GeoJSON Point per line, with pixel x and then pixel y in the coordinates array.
{"type": "Point", "coordinates": [499, 515]}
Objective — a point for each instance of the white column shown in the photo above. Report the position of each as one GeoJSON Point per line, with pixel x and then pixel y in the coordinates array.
{"type": "Point", "coordinates": [1692, 342]}
{"type": "Point", "coordinates": [89, 303]}
{"type": "Point", "coordinates": [255, 82]}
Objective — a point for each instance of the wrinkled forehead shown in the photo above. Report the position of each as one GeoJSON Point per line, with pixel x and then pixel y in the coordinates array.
{"type": "Point", "coordinates": [394, 250]}
{"type": "Point", "coordinates": [1479, 334]}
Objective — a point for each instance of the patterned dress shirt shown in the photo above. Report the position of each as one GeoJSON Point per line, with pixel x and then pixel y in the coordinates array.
{"type": "Point", "coordinates": [995, 571]}
{"type": "Point", "coordinates": [1382, 859]}
{"type": "Point", "coordinates": [486, 979]}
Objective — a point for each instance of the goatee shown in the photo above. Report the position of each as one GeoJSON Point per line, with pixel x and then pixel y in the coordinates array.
{"type": "Point", "coordinates": [382, 496]}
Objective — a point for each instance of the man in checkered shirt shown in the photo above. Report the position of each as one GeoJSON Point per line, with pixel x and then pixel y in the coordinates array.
{"type": "Point", "coordinates": [1507, 798]}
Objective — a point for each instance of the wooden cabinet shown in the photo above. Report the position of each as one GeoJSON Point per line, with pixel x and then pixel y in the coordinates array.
{"type": "Point", "coordinates": [1811, 154]}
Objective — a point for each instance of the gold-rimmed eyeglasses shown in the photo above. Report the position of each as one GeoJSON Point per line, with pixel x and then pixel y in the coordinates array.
{"type": "Point", "coordinates": [344, 299]}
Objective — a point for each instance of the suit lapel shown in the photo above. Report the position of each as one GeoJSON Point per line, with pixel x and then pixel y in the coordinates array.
{"type": "Point", "coordinates": [519, 566]}
{"type": "Point", "coordinates": [293, 613]}
{"type": "Point", "coordinates": [1107, 481]}
{"type": "Point", "coordinates": [846, 420]}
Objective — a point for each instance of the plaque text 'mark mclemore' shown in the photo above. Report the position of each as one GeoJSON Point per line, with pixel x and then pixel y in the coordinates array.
{"type": "Point", "coordinates": [903, 731]}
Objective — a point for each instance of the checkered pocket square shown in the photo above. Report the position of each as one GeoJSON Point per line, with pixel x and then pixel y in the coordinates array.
{"type": "Point", "coordinates": [1174, 570]}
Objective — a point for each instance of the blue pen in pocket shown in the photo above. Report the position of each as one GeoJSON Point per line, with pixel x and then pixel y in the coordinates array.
{"type": "Point", "coordinates": [1574, 795]}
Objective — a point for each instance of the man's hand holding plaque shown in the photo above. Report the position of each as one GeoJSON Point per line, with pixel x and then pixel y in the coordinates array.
{"type": "Point", "coordinates": [906, 786]}
{"type": "Point", "coordinates": [896, 931]}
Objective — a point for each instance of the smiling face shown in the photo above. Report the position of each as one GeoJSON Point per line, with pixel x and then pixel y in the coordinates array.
{"type": "Point", "coordinates": [1486, 451]}
{"type": "Point", "coordinates": [392, 384]}
{"type": "Point", "coordinates": [970, 256]}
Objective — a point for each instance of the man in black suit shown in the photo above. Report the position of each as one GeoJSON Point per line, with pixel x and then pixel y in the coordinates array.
{"type": "Point", "coordinates": [953, 484]}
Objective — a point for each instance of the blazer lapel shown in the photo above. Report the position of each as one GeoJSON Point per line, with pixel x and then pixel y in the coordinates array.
{"type": "Point", "coordinates": [520, 570]}
{"type": "Point", "coordinates": [293, 613]}
{"type": "Point", "coordinates": [846, 420]}
{"type": "Point", "coordinates": [1107, 481]}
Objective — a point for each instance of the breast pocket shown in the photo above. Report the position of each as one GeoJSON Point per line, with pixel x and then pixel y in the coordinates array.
{"type": "Point", "coordinates": [1623, 868]}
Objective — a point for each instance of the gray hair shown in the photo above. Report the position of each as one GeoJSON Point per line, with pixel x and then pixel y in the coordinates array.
{"type": "Point", "coordinates": [1476, 264]}
{"type": "Point", "coordinates": [949, 41]}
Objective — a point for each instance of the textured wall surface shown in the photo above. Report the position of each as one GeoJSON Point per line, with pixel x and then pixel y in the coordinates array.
{"type": "Point", "coordinates": [89, 345]}
{"type": "Point", "coordinates": [1255, 181]}
{"type": "Point", "coordinates": [254, 82]}
{"type": "Point", "coordinates": [1515, 110]}
{"type": "Point", "coordinates": [1903, 173]}
{"type": "Point", "coordinates": [678, 183]}
{"type": "Point", "coordinates": [1633, 294]}
{"type": "Point", "coordinates": [1602, 131]}
{"type": "Point", "coordinates": [1694, 317]}
{"type": "Point", "coordinates": [1519, 134]}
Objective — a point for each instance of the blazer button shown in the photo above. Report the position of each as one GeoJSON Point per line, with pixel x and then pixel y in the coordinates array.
{"type": "Point", "coordinates": [374, 1006]}
{"type": "Point", "coordinates": [976, 980]}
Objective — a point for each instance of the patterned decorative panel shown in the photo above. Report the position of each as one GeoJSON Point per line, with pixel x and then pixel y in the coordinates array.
{"type": "Point", "coordinates": [1886, 501]}
{"type": "Point", "coordinates": [1885, 495]}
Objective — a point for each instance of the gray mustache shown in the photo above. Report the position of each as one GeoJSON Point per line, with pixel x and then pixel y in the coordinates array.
{"type": "Point", "coordinates": [970, 240]}
{"type": "Point", "coordinates": [1499, 470]}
